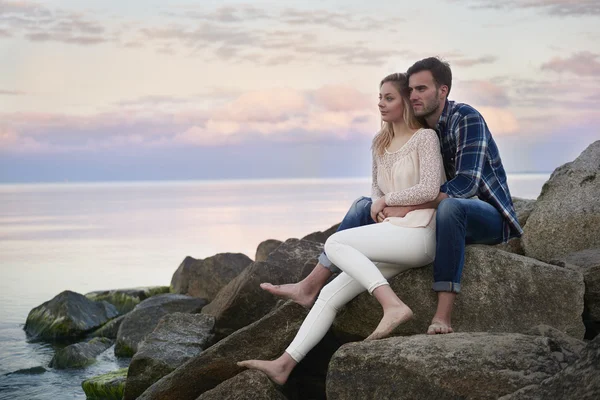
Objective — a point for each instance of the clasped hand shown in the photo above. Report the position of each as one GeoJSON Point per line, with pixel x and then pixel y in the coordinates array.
{"type": "Point", "coordinates": [380, 211]}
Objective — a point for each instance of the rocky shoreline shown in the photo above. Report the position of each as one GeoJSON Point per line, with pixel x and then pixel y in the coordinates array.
{"type": "Point", "coordinates": [526, 323]}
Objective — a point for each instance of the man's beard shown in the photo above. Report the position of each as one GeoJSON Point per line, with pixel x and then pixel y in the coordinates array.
{"type": "Point", "coordinates": [429, 110]}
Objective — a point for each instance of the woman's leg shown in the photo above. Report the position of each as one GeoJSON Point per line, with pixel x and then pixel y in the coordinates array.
{"type": "Point", "coordinates": [306, 291]}
{"type": "Point", "coordinates": [316, 324]}
{"type": "Point", "coordinates": [354, 251]}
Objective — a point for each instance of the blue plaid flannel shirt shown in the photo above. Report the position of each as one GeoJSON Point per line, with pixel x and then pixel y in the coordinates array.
{"type": "Point", "coordinates": [472, 163]}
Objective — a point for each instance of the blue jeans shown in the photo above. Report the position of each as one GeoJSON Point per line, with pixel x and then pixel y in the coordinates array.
{"type": "Point", "coordinates": [359, 214]}
{"type": "Point", "coordinates": [460, 222]}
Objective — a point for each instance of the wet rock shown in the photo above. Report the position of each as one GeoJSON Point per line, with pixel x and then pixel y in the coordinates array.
{"type": "Point", "coordinates": [80, 355]}
{"type": "Point", "coordinates": [177, 338]}
{"type": "Point", "coordinates": [108, 386]}
{"type": "Point", "coordinates": [264, 339]}
{"type": "Point", "coordinates": [109, 329]}
{"type": "Point", "coordinates": [125, 300]}
{"type": "Point", "coordinates": [69, 315]}
{"type": "Point", "coordinates": [145, 316]}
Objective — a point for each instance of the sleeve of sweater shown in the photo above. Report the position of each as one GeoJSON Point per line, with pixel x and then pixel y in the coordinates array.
{"type": "Point", "coordinates": [376, 193]}
{"type": "Point", "coordinates": [430, 165]}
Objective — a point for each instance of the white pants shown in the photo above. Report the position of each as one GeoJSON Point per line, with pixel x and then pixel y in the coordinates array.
{"type": "Point", "coordinates": [368, 256]}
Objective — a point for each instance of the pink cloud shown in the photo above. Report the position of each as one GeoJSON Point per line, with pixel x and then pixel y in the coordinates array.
{"type": "Point", "coordinates": [481, 93]}
{"type": "Point", "coordinates": [581, 63]}
{"type": "Point", "coordinates": [335, 112]}
{"type": "Point", "coordinates": [342, 98]}
{"type": "Point", "coordinates": [272, 105]}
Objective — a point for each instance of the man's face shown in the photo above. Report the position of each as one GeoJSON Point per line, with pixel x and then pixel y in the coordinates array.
{"type": "Point", "coordinates": [424, 96]}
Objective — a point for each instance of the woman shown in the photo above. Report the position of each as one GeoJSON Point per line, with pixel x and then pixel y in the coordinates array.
{"type": "Point", "coordinates": [407, 170]}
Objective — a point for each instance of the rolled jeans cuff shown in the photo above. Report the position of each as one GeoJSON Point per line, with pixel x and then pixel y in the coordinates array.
{"type": "Point", "coordinates": [324, 261]}
{"type": "Point", "coordinates": [446, 287]}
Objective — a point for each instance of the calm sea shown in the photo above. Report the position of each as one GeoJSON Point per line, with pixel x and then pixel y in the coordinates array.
{"type": "Point", "coordinates": [94, 236]}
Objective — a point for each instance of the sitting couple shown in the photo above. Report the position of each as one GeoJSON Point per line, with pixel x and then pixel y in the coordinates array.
{"type": "Point", "coordinates": [434, 190]}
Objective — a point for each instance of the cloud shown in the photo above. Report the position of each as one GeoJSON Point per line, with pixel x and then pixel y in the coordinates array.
{"type": "Point", "coordinates": [11, 141]}
{"type": "Point", "coordinates": [499, 120]}
{"type": "Point", "coordinates": [481, 93]}
{"type": "Point", "coordinates": [274, 105]}
{"type": "Point", "coordinates": [551, 7]}
{"type": "Point", "coordinates": [582, 63]}
{"type": "Point", "coordinates": [469, 62]}
{"type": "Point", "coordinates": [341, 98]}
{"type": "Point", "coordinates": [277, 115]}
{"type": "Point", "coordinates": [38, 23]}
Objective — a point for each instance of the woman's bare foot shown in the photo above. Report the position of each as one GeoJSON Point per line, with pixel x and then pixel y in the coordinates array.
{"type": "Point", "coordinates": [277, 371]}
{"type": "Point", "coordinates": [296, 292]}
{"type": "Point", "coordinates": [392, 317]}
{"type": "Point", "coordinates": [438, 327]}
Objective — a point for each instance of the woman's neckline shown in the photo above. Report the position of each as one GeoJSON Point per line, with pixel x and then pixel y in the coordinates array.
{"type": "Point", "coordinates": [404, 145]}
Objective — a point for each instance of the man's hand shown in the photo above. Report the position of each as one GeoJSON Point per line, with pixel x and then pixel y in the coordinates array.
{"type": "Point", "coordinates": [376, 207]}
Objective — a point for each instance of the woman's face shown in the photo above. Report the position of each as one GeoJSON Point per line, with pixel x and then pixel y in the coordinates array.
{"type": "Point", "coordinates": [391, 106]}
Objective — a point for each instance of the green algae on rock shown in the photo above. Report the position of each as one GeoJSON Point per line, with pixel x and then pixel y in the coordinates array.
{"type": "Point", "coordinates": [110, 386]}
{"type": "Point", "coordinates": [125, 300]}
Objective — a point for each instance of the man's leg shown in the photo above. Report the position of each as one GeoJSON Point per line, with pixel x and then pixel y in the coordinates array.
{"type": "Point", "coordinates": [305, 292]}
{"type": "Point", "coordinates": [458, 222]}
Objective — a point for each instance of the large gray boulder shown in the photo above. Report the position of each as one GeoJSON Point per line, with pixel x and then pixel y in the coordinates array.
{"type": "Point", "coordinates": [247, 385]}
{"type": "Point", "coordinates": [68, 315]}
{"type": "Point", "coordinates": [177, 338]}
{"type": "Point", "coordinates": [579, 381]}
{"type": "Point", "coordinates": [264, 339]}
{"type": "Point", "coordinates": [501, 292]}
{"type": "Point", "coordinates": [80, 355]}
{"type": "Point", "coordinates": [566, 216]}
{"type": "Point", "coordinates": [204, 278]}
{"type": "Point", "coordinates": [126, 299]}
{"type": "Point", "coordinates": [140, 322]}
{"type": "Point", "coordinates": [456, 366]}
{"type": "Point", "coordinates": [588, 263]}
{"type": "Point", "coordinates": [242, 301]}
{"type": "Point", "coordinates": [265, 248]}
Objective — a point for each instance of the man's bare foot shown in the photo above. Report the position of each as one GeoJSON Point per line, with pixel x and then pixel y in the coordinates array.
{"type": "Point", "coordinates": [391, 319]}
{"type": "Point", "coordinates": [438, 327]}
{"type": "Point", "coordinates": [274, 370]}
{"type": "Point", "coordinates": [293, 291]}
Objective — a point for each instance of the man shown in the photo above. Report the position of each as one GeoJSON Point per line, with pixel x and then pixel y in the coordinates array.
{"type": "Point", "coordinates": [474, 205]}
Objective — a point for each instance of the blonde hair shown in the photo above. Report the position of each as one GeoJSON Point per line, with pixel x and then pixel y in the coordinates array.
{"type": "Point", "coordinates": [386, 134]}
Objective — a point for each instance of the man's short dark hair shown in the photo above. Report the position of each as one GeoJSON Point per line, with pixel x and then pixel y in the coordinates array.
{"type": "Point", "coordinates": [440, 70]}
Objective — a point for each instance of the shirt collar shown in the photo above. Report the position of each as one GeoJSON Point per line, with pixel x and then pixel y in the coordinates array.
{"type": "Point", "coordinates": [443, 121]}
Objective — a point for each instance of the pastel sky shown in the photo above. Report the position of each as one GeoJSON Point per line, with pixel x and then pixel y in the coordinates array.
{"type": "Point", "coordinates": [139, 90]}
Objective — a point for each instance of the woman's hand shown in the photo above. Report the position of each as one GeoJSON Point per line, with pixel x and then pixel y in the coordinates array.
{"type": "Point", "coordinates": [376, 207]}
